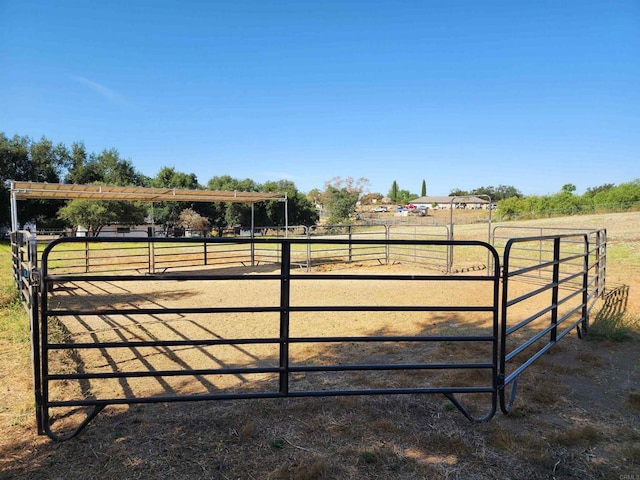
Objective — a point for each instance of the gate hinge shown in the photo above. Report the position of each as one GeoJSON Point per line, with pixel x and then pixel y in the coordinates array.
{"type": "Point", "coordinates": [34, 277]}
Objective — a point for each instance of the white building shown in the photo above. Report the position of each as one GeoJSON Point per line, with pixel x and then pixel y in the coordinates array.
{"type": "Point", "coordinates": [446, 202]}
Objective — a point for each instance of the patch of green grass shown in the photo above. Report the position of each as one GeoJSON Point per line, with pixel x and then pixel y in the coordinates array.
{"type": "Point", "coordinates": [616, 327]}
{"type": "Point", "coordinates": [14, 326]}
{"type": "Point", "coordinates": [625, 253]}
{"type": "Point", "coordinates": [633, 400]}
{"type": "Point", "coordinates": [368, 457]}
{"type": "Point", "coordinates": [7, 286]}
{"type": "Point", "coordinates": [277, 443]}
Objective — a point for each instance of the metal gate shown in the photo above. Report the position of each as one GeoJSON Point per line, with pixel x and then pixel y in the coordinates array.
{"type": "Point", "coordinates": [98, 335]}
{"type": "Point", "coordinates": [550, 285]}
{"type": "Point", "coordinates": [112, 336]}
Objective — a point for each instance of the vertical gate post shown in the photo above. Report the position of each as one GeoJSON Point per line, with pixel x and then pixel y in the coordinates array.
{"type": "Point", "coordinates": [387, 236]}
{"type": "Point", "coordinates": [555, 290]}
{"type": "Point", "coordinates": [450, 249]}
{"type": "Point", "coordinates": [585, 286]}
{"type": "Point", "coordinates": [285, 290]}
{"type": "Point", "coordinates": [253, 244]}
{"type": "Point", "coordinates": [601, 242]}
{"type": "Point", "coordinates": [34, 302]}
{"type": "Point", "coordinates": [43, 365]}
{"type": "Point", "coordinates": [350, 244]}
{"type": "Point", "coordinates": [308, 229]}
{"type": "Point", "coordinates": [151, 251]}
{"type": "Point", "coordinates": [86, 256]}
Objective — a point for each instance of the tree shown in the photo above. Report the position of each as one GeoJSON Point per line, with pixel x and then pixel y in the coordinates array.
{"type": "Point", "coordinates": [77, 161]}
{"type": "Point", "coordinates": [192, 221]}
{"type": "Point", "coordinates": [458, 193]}
{"type": "Point", "coordinates": [405, 196]}
{"type": "Point", "coordinates": [500, 193]}
{"type": "Point", "coordinates": [592, 191]}
{"type": "Point", "coordinates": [314, 196]}
{"type": "Point", "coordinates": [569, 187]}
{"type": "Point", "coordinates": [622, 197]}
{"type": "Point", "coordinates": [95, 214]}
{"type": "Point", "coordinates": [14, 161]}
{"type": "Point", "coordinates": [341, 204]}
{"type": "Point", "coordinates": [167, 214]}
{"type": "Point", "coordinates": [23, 159]}
{"type": "Point", "coordinates": [423, 191]}
{"type": "Point", "coordinates": [230, 214]}
{"type": "Point", "coordinates": [503, 192]}
{"type": "Point", "coordinates": [341, 197]}
{"type": "Point", "coordinates": [393, 192]}
{"type": "Point", "coordinates": [107, 168]}
{"type": "Point", "coordinates": [300, 210]}
{"type": "Point", "coordinates": [370, 198]}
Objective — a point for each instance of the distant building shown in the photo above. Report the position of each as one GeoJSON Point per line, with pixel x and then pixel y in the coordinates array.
{"type": "Point", "coordinates": [440, 203]}
{"type": "Point", "coordinates": [133, 231]}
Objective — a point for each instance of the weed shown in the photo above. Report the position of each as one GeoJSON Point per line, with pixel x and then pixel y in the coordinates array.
{"type": "Point", "coordinates": [633, 400]}
{"type": "Point", "coordinates": [632, 453]}
{"type": "Point", "coordinates": [523, 445]}
{"type": "Point", "coordinates": [314, 468]}
{"type": "Point", "coordinates": [584, 435]}
{"type": "Point", "coordinates": [368, 457]}
{"type": "Point", "coordinates": [277, 443]}
{"type": "Point", "coordinates": [616, 327]}
{"type": "Point", "coordinates": [589, 358]}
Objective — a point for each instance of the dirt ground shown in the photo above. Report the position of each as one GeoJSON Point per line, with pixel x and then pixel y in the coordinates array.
{"type": "Point", "coordinates": [576, 414]}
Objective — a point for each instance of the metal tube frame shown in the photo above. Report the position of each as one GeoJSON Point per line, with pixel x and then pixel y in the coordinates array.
{"type": "Point", "coordinates": [560, 280]}
{"type": "Point", "coordinates": [285, 369]}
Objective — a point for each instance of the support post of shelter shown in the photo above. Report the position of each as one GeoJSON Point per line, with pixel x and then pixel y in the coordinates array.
{"type": "Point", "coordinates": [286, 215]}
{"type": "Point", "coordinates": [253, 245]}
{"type": "Point", "coordinates": [15, 225]}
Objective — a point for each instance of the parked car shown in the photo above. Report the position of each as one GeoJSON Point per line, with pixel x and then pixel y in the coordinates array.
{"type": "Point", "coordinates": [380, 208]}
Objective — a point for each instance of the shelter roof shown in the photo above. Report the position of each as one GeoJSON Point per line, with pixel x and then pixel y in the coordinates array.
{"type": "Point", "coordinates": [35, 190]}
{"type": "Point", "coordinates": [449, 199]}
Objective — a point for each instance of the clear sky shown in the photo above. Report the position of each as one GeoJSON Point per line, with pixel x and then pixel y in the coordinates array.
{"type": "Point", "coordinates": [461, 93]}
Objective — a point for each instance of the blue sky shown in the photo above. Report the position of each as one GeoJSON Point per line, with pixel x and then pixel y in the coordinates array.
{"type": "Point", "coordinates": [463, 94]}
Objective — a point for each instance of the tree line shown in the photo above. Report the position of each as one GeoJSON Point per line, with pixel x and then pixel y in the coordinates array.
{"type": "Point", "coordinates": [604, 198]}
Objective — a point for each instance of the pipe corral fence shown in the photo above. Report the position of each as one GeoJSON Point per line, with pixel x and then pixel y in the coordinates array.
{"type": "Point", "coordinates": [288, 313]}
